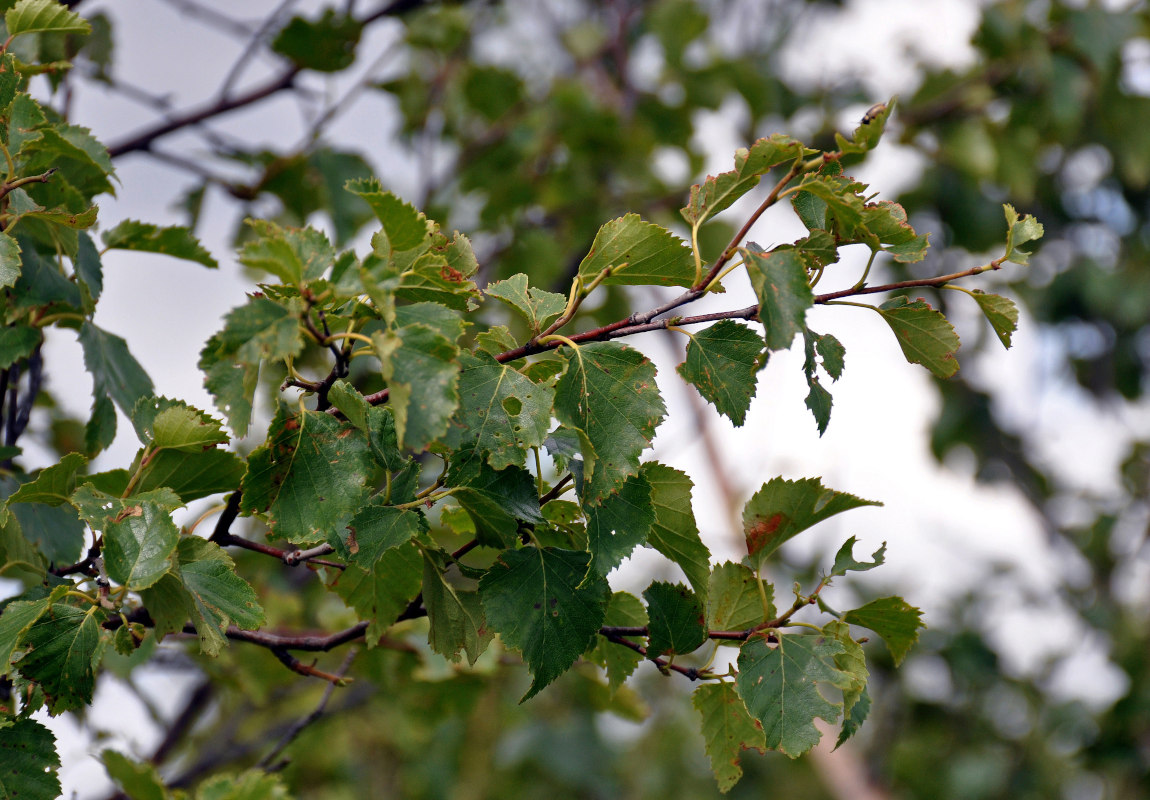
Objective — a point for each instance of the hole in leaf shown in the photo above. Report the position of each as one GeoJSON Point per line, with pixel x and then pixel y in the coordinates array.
{"type": "Point", "coordinates": [512, 405]}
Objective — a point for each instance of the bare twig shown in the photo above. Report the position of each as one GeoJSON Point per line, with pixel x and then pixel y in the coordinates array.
{"type": "Point", "coordinates": [296, 729]}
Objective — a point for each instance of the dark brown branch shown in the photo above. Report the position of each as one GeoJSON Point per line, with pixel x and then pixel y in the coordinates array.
{"type": "Point", "coordinates": [661, 663]}
{"type": "Point", "coordinates": [297, 728]}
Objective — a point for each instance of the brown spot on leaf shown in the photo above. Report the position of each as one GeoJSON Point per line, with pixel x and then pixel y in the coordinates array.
{"type": "Point", "coordinates": [451, 274]}
{"type": "Point", "coordinates": [762, 531]}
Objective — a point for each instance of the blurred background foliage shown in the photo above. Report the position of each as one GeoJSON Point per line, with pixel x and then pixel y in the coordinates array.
{"type": "Point", "coordinates": [529, 124]}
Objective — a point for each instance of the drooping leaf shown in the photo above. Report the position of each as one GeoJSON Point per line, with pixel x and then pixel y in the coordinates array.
{"type": "Point", "coordinates": [779, 686]}
{"type": "Point", "coordinates": [608, 392]}
{"type": "Point", "coordinates": [174, 241]}
{"type": "Point", "coordinates": [539, 603]}
{"type": "Point", "coordinates": [677, 619]}
{"type": "Point", "coordinates": [1020, 229]}
{"type": "Point", "coordinates": [1000, 312]}
{"type": "Point", "coordinates": [251, 785]}
{"type": "Point", "coordinates": [495, 500]}
{"type": "Point", "coordinates": [851, 661]}
{"type": "Point", "coordinates": [858, 714]}
{"type": "Point", "coordinates": [43, 16]}
{"type": "Point", "coordinates": [674, 533]}
{"type": "Point", "coordinates": [638, 253]}
{"type": "Point", "coordinates": [819, 401]}
{"type": "Point", "coordinates": [892, 618]}
{"type": "Point", "coordinates": [718, 192]}
{"type": "Point", "coordinates": [626, 611]}
{"type": "Point", "coordinates": [925, 335]}
{"type": "Point", "coordinates": [722, 362]}
{"type": "Point", "coordinates": [728, 730]}
{"type": "Point", "coordinates": [28, 761]}
{"type": "Point", "coordinates": [781, 284]}
{"type": "Point", "coordinates": [617, 524]}
{"type": "Point", "coordinates": [10, 262]}
{"type": "Point", "coordinates": [378, 528]}
{"type": "Point", "coordinates": [18, 617]}
{"type": "Point", "coordinates": [831, 352]}
{"type": "Point", "coordinates": [734, 602]}
{"type": "Point", "coordinates": [138, 780]}
{"type": "Point", "coordinates": [60, 645]}
{"type": "Point", "coordinates": [219, 597]}
{"type": "Point", "coordinates": [310, 477]}
{"type": "Point", "coordinates": [17, 341]}
{"type": "Point", "coordinates": [192, 475]}
{"type": "Point", "coordinates": [505, 414]}
{"type": "Point", "coordinates": [421, 367]}
{"type": "Point", "coordinates": [115, 373]}
{"type": "Point", "coordinates": [453, 609]}
{"type": "Point", "coordinates": [538, 307]}
{"type": "Point", "coordinates": [137, 547]}
{"type": "Point", "coordinates": [381, 594]}
{"type": "Point", "coordinates": [781, 509]}
{"type": "Point", "coordinates": [845, 560]}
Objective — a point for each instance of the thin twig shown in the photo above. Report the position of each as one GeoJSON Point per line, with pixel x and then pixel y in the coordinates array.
{"type": "Point", "coordinates": [296, 729]}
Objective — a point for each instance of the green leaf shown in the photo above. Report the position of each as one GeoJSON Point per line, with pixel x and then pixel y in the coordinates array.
{"type": "Point", "coordinates": [174, 425]}
{"type": "Point", "coordinates": [887, 225]}
{"type": "Point", "coordinates": [537, 306]}
{"type": "Point", "coordinates": [495, 500]}
{"type": "Point", "coordinates": [325, 45]}
{"type": "Point", "coordinates": [831, 351]}
{"type": "Point", "coordinates": [421, 367]}
{"type": "Point", "coordinates": [453, 609]}
{"type": "Point", "coordinates": [60, 645]}
{"type": "Point", "coordinates": [56, 531]}
{"type": "Point", "coordinates": [618, 524]}
{"type": "Point", "coordinates": [781, 509]}
{"type": "Point", "coordinates": [837, 206]}
{"type": "Point", "coordinates": [718, 193]}
{"type": "Point", "coordinates": [192, 475]}
{"type": "Point", "coordinates": [721, 363]}
{"type": "Point", "coordinates": [381, 594]}
{"type": "Point", "coordinates": [54, 484]}
{"type": "Point", "coordinates": [168, 602]}
{"type": "Point", "coordinates": [728, 730]}
{"type": "Point", "coordinates": [28, 762]}
{"type": "Point", "coordinates": [43, 16]}
{"type": "Point", "coordinates": [144, 237]}
{"type": "Point", "coordinates": [733, 599]}
{"type": "Point", "coordinates": [892, 618]}
{"type": "Point", "coordinates": [638, 253]}
{"type": "Point", "coordinates": [252, 785]}
{"type": "Point", "coordinates": [505, 414]}
{"type": "Point", "coordinates": [819, 401]}
{"type": "Point", "coordinates": [137, 780]}
{"type": "Point", "coordinates": [1000, 312]}
{"type": "Point", "coordinates": [845, 560]}
{"type": "Point", "coordinates": [625, 611]}
{"type": "Point", "coordinates": [781, 284]}
{"type": "Point", "coordinates": [925, 335]}
{"type": "Point", "coordinates": [115, 373]}
{"type": "Point", "coordinates": [851, 661]}
{"type": "Point", "coordinates": [97, 507]}
{"type": "Point", "coordinates": [1020, 229]}
{"type": "Point", "coordinates": [855, 718]}
{"type": "Point", "coordinates": [218, 596]}
{"type": "Point", "coordinates": [137, 547]}
{"type": "Point", "coordinates": [608, 392]}
{"type": "Point", "coordinates": [674, 533]}
{"type": "Point", "coordinates": [677, 619]}
{"type": "Point", "coordinates": [17, 618]}
{"type": "Point", "coordinates": [310, 477]}
{"type": "Point", "coordinates": [779, 686]}
{"type": "Point", "coordinates": [16, 341]}
{"type": "Point", "coordinates": [538, 602]}
{"type": "Point", "coordinates": [294, 255]}
{"type": "Point", "coordinates": [378, 528]}
{"type": "Point", "coordinates": [404, 228]}
{"type": "Point", "coordinates": [10, 262]}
